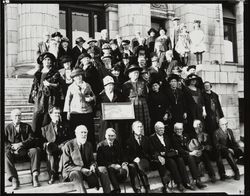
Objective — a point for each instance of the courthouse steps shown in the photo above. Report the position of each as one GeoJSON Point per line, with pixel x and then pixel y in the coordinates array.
{"type": "Point", "coordinates": [68, 187]}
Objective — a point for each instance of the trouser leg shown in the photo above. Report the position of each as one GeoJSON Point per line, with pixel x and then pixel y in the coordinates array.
{"type": "Point", "coordinates": [164, 174]}
{"type": "Point", "coordinates": [77, 177]}
{"type": "Point", "coordinates": [113, 179]}
{"type": "Point", "coordinates": [105, 182]}
{"type": "Point", "coordinates": [171, 165]}
{"type": "Point", "coordinates": [221, 168]}
{"type": "Point", "coordinates": [10, 169]}
{"type": "Point", "coordinates": [193, 167]}
{"type": "Point", "coordinates": [133, 177]}
{"type": "Point", "coordinates": [206, 160]}
{"type": "Point", "coordinates": [35, 158]}
{"type": "Point", "coordinates": [231, 161]}
{"type": "Point", "coordinates": [183, 170]}
{"type": "Point", "coordinates": [37, 123]}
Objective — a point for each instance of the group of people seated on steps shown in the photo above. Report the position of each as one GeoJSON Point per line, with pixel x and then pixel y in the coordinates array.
{"type": "Point", "coordinates": [178, 121]}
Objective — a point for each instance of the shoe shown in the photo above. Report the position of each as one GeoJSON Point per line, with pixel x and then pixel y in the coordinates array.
{"type": "Point", "coordinates": [200, 185]}
{"type": "Point", "coordinates": [213, 179]}
{"type": "Point", "coordinates": [181, 188]}
{"type": "Point", "coordinates": [137, 191]}
{"type": "Point", "coordinates": [52, 179]}
{"type": "Point", "coordinates": [189, 186]}
{"type": "Point", "coordinates": [15, 183]}
{"type": "Point", "coordinates": [147, 189]}
{"type": "Point", "coordinates": [224, 177]}
{"type": "Point", "coordinates": [116, 191]}
{"type": "Point", "coordinates": [166, 189]}
{"type": "Point", "coordinates": [237, 176]}
{"type": "Point", "coordinates": [35, 179]}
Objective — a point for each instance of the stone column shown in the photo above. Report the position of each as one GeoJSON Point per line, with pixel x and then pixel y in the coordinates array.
{"type": "Point", "coordinates": [132, 18]}
{"type": "Point", "coordinates": [10, 33]}
{"type": "Point", "coordinates": [33, 21]}
{"type": "Point", "coordinates": [211, 24]}
{"type": "Point", "coordinates": [112, 15]}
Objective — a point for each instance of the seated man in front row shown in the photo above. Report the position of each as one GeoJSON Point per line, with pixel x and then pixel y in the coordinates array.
{"type": "Point", "coordinates": [110, 155]}
{"type": "Point", "coordinates": [19, 141]}
{"type": "Point", "coordinates": [79, 163]}
{"type": "Point", "coordinates": [227, 147]}
{"type": "Point", "coordinates": [54, 137]}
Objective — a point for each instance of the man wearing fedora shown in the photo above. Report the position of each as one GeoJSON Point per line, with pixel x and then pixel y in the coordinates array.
{"type": "Point", "coordinates": [54, 137]}
{"type": "Point", "coordinates": [111, 156]}
{"type": "Point", "coordinates": [139, 153]}
{"type": "Point", "coordinates": [78, 49]}
{"type": "Point", "coordinates": [150, 41]}
{"type": "Point", "coordinates": [19, 142]}
{"type": "Point", "coordinates": [79, 164]}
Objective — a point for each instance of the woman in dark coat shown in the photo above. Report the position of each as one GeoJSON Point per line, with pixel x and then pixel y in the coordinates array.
{"type": "Point", "coordinates": [135, 90]}
{"type": "Point", "coordinates": [46, 92]}
{"type": "Point", "coordinates": [64, 49]}
{"type": "Point", "coordinates": [150, 41]}
{"type": "Point", "coordinates": [108, 95]}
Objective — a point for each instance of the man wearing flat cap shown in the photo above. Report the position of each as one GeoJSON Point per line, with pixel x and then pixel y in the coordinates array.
{"type": "Point", "coordinates": [126, 50]}
{"type": "Point", "coordinates": [78, 49]}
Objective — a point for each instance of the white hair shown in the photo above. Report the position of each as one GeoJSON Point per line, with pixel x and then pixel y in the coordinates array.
{"type": "Point", "coordinates": [80, 127]}
{"type": "Point", "coordinates": [177, 125]}
{"type": "Point", "coordinates": [108, 130]}
{"type": "Point", "coordinates": [14, 112]}
{"type": "Point", "coordinates": [158, 124]}
{"type": "Point", "coordinates": [196, 122]}
{"type": "Point", "coordinates": [222, 120]}
{"type": "Point", "coordinates": [136, 123]}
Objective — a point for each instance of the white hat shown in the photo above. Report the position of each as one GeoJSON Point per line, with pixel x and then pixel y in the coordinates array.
{"type": "Point", "coordinates": [108, 80]}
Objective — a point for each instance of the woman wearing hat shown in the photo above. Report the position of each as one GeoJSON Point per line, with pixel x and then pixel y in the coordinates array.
{"type": "Point", "coordinates": [150, 41]}
{"type": "Point", "coordinates": [54, 43]}
{"type": "Point", "coordinates": [135, 90]}
{"type": "Point", "coordinates": [118, 75]}
{"type": "Point", "coordinates": [115, 51]}
{"type": "Point", "coordinates": [90, 72]}
{"type": "Point", "coordinates": [46, 92]}
{"type": "Point", "coordinates": [197, 41]}
{"type": "Point", "coordinates": [108, 95]}
{"type": "Point", "coordinates": [79, 102]}
{"type": "Point", "coordinates": [93, 49]}
{"type": "Point", "coordinates": [195, 101]}
{"type": "Point", "coordinates": [64, 48]}
{"type": "Point", "coordinates": [78, 49]}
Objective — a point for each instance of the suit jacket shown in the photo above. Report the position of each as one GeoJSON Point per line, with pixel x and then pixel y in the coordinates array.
{"type": "Point", "coordinates": [49, 134]}
{"type": "Point", "coordinates": [76, 53]}
{"type": "Point", "coordinates": [133, 149]}
{"type": "Point", "coordinates": [224, 141]}
{"type": "Point", "coordinates": [157, 146]}
{"type": "Point", "coordinates": [109, 155]}
{"type": "Point", "coordinates": [26, 136]}
{"type": "Point", "coordinates": [41, 48]}
{"type": "Point", "coordinates": [181, 144]}
{"type": "Point", "coordinates": [72, 159]}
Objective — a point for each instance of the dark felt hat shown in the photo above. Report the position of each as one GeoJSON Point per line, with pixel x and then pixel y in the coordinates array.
{"type": "Point", "coordinates": [51, 147]}
{"type": "Point", "coordinates": [173, 76]}
{"type": "Point", "coordinates": [83, 56]}
{"type": "Point", "coordinates": [125, 42]}
{"type": "Point", "coordinates": [80, 39]}
{"type": "Point", "coordinates": [76, 72]}
{"type": "Point", "coordinates": [175, 18]}
{"type": "Point", "coordinates": [133, 67]}
{"type": "Point", "coordinates": [57, 34]}
{"type": "Point", "coordinates": [92, 40]}
{"type": "Point", "coordinates": [192, 77]}
{"type": "Point", "coordinates": [152, 30]}
{"type": "Point", "coordinates": [106, 46]}
{"type": "Point", "coordinates": [197, 21]}
{"type": "Point", "coordinates": [117, 67]}
{"type": "Point", "coordinates": [190, 67]}
{"type": "Point", "coordinates": [48, 54]}
{"type": "Point", "coordinates": [65, 39]}
{"type": "Point", "coordinates": [64, 59]}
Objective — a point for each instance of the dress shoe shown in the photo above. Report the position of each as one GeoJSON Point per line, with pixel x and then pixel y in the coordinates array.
{"type": "Point", "coordinates": [137, 191]}
{"type": "Point", "coordinates": [116, 191]}
{"type": "Point", "coordinates": [166, 189]}
{"type": "Point", "coordinates": [224, 177]}
{"type": "Point", "coordinates": [237, 176]}
{"type": "Point", "coordinates": [15, 183]}
{"type": "Point", "coordinates": [35, 179]}
{"type": "Point", "coordinates": [200, 185]}
{"type": "Point", "coordinates": [189, 186]}
{"type": "Point", "coordinates": [213, 179]}
{"type": "Point", "coordinates": [181, 188]}
{"type": "Point", "coordinates": [52, 179]}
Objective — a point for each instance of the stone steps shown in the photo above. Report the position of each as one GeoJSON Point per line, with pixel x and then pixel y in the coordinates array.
{"type": "Point", "coordinates": [68, 187]}
{"type": "Point", "coordinates": [23, 108]}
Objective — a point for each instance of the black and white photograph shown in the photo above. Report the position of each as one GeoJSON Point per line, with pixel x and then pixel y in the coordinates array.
{"type": "Point", "coordinates": [119, 97]}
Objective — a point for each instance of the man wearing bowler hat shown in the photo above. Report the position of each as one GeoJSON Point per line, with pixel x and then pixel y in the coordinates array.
{"type": "Point", "coordinates": [110, 155]}
{"type": "Point", "coordinates": [54, 137]}
{"type": "Point", "coordinates": [78, 49]}
{"type": "Point", "coordinates": [79, 164]}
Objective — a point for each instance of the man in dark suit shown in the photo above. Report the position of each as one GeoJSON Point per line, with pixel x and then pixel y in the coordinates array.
{"type": "Point", "coordinates": [168, 158]}
{"type": "Point", "coordinates": [54, 137]}
{"type": "Point", "coordinates": [20, 142]}
{"type": "Point", "coordinates": [138, 152]}
{"type": "Point", "coordinates": [110, 155]}
{"type": "Point", "coordinates": [78, 49]}
{"type": "Point", "coordinates": [79, 163]}
{"type": "Point", "coordinates": [213, 109]}
{"type": "Point", "coordinates": [180, 142]}
{"type": "Point", "coordinates": [227, 147]}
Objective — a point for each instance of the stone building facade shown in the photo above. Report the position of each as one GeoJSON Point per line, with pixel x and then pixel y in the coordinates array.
{"type": "Point", "coordinates": [222, 24]}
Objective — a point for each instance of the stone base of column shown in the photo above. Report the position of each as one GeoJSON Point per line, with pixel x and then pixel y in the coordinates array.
{"type": "Point", "coordinates": [25, 70]}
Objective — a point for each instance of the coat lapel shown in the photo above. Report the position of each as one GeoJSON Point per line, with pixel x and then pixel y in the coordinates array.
{"type": "Point", "coordinates": [77, 153]}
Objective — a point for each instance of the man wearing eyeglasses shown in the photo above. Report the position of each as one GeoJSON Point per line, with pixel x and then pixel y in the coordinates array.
{"type": "Point", "coordinates": [226, 147]}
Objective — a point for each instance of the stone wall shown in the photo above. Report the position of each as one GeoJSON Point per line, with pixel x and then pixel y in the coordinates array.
{"type": "Point", "coordinates": [112, 15]}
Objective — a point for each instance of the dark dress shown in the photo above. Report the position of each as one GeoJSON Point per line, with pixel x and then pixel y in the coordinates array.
{"type": "Point", "coordinates": [136, 92]}
{"type": "Point", "coordinates": [150, 42]}
{"type": "Point", "coordinates": [45, 97]}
